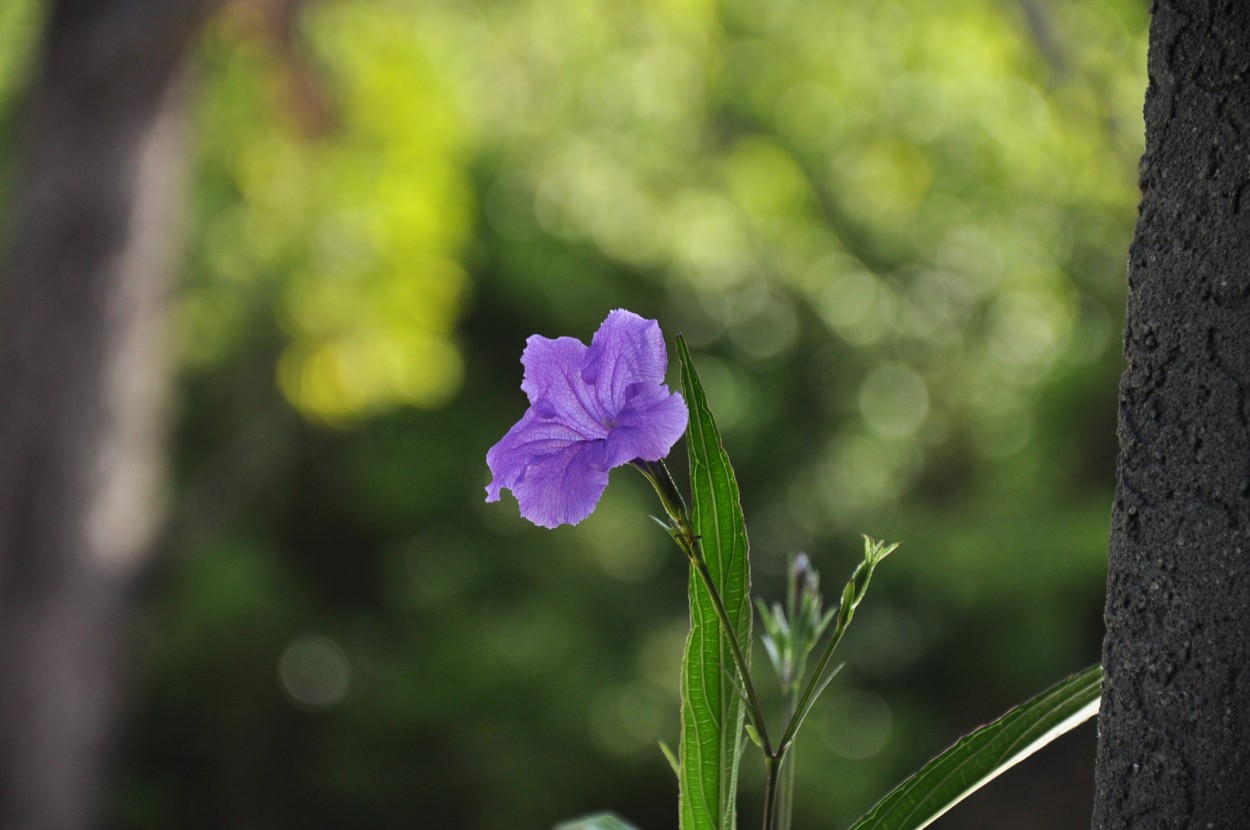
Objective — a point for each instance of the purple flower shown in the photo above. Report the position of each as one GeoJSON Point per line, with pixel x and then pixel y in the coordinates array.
{"type": "Point", "coordinates": [591, 409]}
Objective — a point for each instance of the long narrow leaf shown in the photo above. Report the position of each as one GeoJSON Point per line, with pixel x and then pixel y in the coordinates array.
{"type": "Point", "coordinates": [987, 753]}
{"type": "Point", "coordinates": [712, 711]}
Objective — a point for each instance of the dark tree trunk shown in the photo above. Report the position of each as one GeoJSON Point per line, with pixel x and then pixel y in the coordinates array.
{"type": "Point", "coordinates": [82, 381]}
{"type": "Point", "coordinates": [1174, 748]}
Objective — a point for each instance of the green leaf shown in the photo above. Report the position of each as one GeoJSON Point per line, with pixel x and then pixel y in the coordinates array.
{"type": "Point", "coordinates": [981, 756]}
{"type": "Point", "coordinates": [599, 821]}
{"type": "Point", "coordinates": [712, 711]}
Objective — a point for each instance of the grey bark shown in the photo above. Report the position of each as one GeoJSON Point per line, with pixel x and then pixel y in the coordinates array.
{"type": "Point", "coordinates": [82, 380]}
{"type": "Point", "coordinates": [1174, 730]}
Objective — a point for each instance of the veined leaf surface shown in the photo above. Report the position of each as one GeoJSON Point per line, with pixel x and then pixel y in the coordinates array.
{"type": "Point", "coordinates": [712, 713]}
{"type": "Point", "coordinates": [986, 753]}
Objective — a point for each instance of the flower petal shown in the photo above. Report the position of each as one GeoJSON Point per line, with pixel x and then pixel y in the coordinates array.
{"type": "Point", "coordinates": [626, 350]}
{"type": "Point", "coordinates": [565, 487]}
{"type": "Point", "coordinates": [530, 439]}
{"type": "Point", "coordinates": [648, 426]}
{"type": "Point", "coordinates": [591, 409]}
{"type": "Point", "coordinates": [553, 382]}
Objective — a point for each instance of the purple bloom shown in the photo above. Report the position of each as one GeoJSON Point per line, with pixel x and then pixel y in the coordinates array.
{"type": "Point", "coordinates": [591, 409]}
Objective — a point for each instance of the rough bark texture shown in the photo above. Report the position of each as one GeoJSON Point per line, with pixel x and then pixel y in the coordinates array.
{"type": "Point", "coordinates": [1174, 749]}
{"type": "Point", "coordinates": [82, 379]}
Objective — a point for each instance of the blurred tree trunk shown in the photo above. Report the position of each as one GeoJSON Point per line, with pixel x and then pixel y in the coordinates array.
{"type": "Point", "coordinates": [82, 384]}
{"type": "Point", "coordinates": [1174, 729]}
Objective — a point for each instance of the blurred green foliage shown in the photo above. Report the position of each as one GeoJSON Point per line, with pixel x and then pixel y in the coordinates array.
{"type": "Point", "coordinates": [893, 231]}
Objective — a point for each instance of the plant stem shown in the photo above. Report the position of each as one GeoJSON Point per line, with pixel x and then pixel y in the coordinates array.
{"type": "Point", "coordinates": [772, 765]}
{"type": "Point", "coordinates": [785, 760]}
{"type": "Point", "coordinates": [792, 669]}
{"type": "Point", "coordinates": [852, 595]}
{"type": "Point", "coordinates": [753, 702]}
{"type": "Point", "coordinates": [813, 681]}
{"type": "Point", "coordinates": [682, 531]}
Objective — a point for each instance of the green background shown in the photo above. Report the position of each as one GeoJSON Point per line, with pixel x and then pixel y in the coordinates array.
{"type": "Point", "coordinates": [894, 235]}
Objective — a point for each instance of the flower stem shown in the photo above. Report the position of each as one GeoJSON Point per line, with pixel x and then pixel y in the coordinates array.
{"type": "Point", "coordinates": [682, 531]}
{"type": "Point", "coordinates": [754, 710]}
